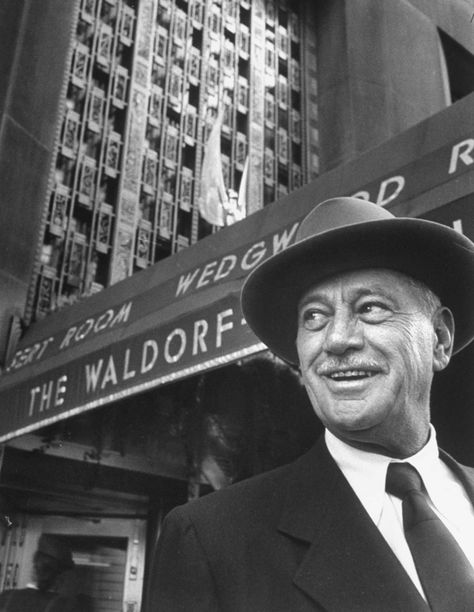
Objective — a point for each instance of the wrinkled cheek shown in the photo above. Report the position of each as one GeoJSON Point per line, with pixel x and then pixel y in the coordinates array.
{"type": "Point", "coordinates": [302, 356]}
{"type": "Point", "coordinates": [308, 347]}
{"type": "Point", "coordinates": [307, 374]}
{"type": "Point", "coordinates": [417, 372]}
{"type": "Point", "coordinates": [314, 391]}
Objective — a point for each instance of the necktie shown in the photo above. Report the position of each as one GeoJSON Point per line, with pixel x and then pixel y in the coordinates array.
{"type": "Point", "coordinates": [445, 573]}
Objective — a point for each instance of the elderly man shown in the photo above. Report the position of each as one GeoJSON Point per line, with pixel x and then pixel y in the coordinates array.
{"type": "Point", "coordinates": [374, 518]}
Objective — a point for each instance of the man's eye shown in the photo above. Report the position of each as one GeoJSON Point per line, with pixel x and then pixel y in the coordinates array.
{"type": "Point", "coordinates": [313, 319]}
{"type": "Point", "coordinates": [374, 311]}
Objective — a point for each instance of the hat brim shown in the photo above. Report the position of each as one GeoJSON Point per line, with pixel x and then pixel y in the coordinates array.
{"type": "Point", "coordinates": [435, 254]}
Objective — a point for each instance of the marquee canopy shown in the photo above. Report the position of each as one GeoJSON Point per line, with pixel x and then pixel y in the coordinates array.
{"type": "Point", "coordinates": [182, 316]}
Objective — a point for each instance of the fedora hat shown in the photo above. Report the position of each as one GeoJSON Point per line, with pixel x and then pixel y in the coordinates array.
{"type": "Point", "coordinates": [346, 234]}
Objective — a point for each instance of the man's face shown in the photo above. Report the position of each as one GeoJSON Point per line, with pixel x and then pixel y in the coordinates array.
{"type": "Point", "coordinates": [368, 349]}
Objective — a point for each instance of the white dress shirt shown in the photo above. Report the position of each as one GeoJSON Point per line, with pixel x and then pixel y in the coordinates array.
{"type": "Point", "coordinates": [366, 473]}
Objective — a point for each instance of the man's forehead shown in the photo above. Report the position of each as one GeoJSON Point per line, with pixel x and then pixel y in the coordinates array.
{"type": "Point", "coordinates": [363, 282]}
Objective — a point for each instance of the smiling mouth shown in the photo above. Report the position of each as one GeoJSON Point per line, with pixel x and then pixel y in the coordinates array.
{"type": "Point", "coordinates": [350, 375]}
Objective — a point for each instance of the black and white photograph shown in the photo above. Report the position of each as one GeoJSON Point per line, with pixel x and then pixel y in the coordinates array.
{"type": "Point", "coordinates": [236, 305]}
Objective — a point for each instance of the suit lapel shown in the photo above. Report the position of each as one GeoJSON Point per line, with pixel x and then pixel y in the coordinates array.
{"type": "Point", "coordinates": [349, 565]}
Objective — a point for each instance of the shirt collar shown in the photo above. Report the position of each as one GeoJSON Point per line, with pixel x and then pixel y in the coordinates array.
{"type": "Point", "coordinates": [366, 472]}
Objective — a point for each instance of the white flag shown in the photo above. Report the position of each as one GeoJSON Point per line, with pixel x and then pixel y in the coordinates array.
{"type": "Point", "coordinates": [243, 189]}
{"type": "Point", "coordinates": [236, 206]}
{"type": "Point", "coordinates": [213, 195]}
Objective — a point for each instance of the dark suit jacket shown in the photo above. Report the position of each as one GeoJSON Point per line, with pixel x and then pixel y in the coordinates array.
{"type": "Point", "coordinates": [296, 539]}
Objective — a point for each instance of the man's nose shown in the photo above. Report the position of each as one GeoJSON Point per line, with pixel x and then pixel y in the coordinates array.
{"type": "Point", "coordinates": [343, 333]}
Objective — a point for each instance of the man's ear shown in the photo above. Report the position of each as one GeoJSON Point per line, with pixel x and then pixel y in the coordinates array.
{"type": "Point", "coordinates": [443, 322]}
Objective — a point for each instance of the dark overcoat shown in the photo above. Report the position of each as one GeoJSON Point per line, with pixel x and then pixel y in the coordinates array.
{"type": "Point", "coordinates": [296, 539]}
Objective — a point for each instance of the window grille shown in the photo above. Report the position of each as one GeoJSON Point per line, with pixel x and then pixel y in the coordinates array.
{"type": "Point", "coordinates": [77, 259]}
{"type": "Point", "coordinates": [179, 30]}
{"type": "Point", "coordinates": [282, 146]}
{"type": "Point", "coordinates": [176, 85]}
{"type": "Point", "coordinates": [283, 48]}
{"type": "Point", "coordinates": [96, 109]}
{"type": "Point", "coordinates": [269, 167]}
{"type": "Point", "coordinates": [186, 189]}
{"type": "Point", "coordinates": [270, 12]}
{"type": "Point", "coordinates": [269, 56]}
{"type": "Point", "coordinates": [198, 12]}
{"type": "Point", "coordinates": [150, 165]}
{"type": "Point", "coordinates": [80, 65]}
{"type": "Point", "coordinates": [171, 145]}
{"type": "Point", "coordinates": [88, 9]}
{"type": "Point", "coordinates": [166, 218]}
{"type": "Point", "coordinates": [161, 43]}
{"type": "Point", "coordinates": [296, 176]}
{"type": "Point", "coordinates": [243, 94]}
{"type": "Point", "coordinates": [120, 90]}
{"type": "Point", "coordinates": [240, 150]}
{"type": "Point", "coordinates": [154, 111]}
{"type": "Point", "coordinates": [46, 291]}
{"type": "Point", "coordinates": [168, 183]}
{"type": "Point", "coordinates": [227, 119]}
{"type": "Point", "coordinates": [213, 74]}
{"type": "Point", "coordinates": [282, 91]}
{"type": "Point", "coordinates": [295, 75]}
{"type": "Point", "coordinates": [296, 125]}
{"type": "Point", "coordinates": [59, 210]}
{"type": "Point", "coordinates": [244, 41]}
{"type": "Point", "coordinates": [143, 243]}
{"type": "Point", "coordinates": [294, 26]}
{"type": "Point", "coordinates": [190, 124]}
{"type": "Point", "coordinates": [194, 65]}
{"type": "Point", "coordinates": [70, 135]}
{"type": "Point", "coordinates": [270, 109]}
{"type": "Point", "coordinates": [215, 20]}
{"type": "Point", "coordinates": [86, 183]}
{"type": "Point", "coordinates": [229, 54]}
{"type": "Point", "coordinates": [112, 154]}
{"type": "Point", "coordinates": [104, 229]}
{"type": "Point", "coordinates": [127, 25]}
{"type": "Point", "coordinates": [104, 46]}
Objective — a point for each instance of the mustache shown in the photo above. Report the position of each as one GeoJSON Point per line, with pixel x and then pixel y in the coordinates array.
{"type": "Point", "coordinates": [329, 366]}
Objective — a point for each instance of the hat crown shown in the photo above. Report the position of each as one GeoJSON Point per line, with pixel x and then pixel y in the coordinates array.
{"type": "Point", "coordinates": [340, 212]}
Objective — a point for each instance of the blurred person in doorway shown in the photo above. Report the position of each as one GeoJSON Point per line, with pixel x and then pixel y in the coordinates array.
{"type": "Point", "coordinates": [51, 559]}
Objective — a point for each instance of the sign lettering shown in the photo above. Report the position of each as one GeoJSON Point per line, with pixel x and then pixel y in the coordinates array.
{"type": "Point", "coordinates": [136, 355]}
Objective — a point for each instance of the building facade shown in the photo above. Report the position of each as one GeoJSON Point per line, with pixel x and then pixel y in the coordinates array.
{"type": "Point", "coordinates": [146, 82]}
